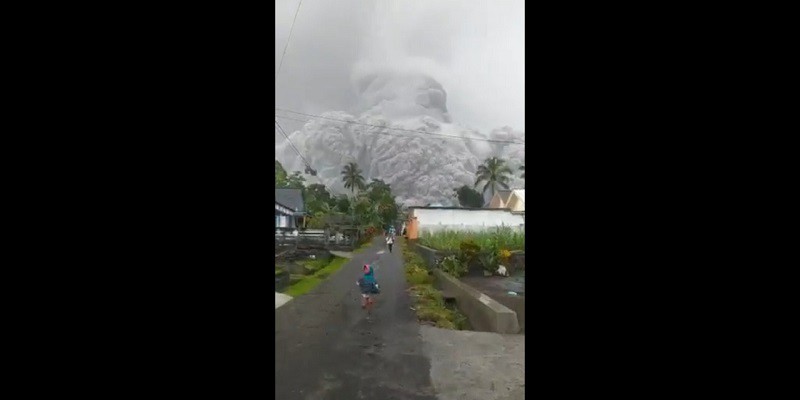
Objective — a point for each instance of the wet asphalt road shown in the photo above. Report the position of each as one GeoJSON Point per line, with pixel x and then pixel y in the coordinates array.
{"type": "Point", "coordinates": [325, 348]}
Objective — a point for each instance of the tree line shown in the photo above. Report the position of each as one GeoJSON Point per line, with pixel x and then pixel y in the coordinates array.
{"type": "Point", "coordinates": [494, 173]}
{"type": "Point", "coordinates": [373, 204]}
{"type": "Point", "coordinates": [369, 204]}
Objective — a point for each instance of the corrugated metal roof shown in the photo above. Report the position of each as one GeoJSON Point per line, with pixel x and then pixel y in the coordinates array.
{"type": "Point", "coordinates": [292, 198]}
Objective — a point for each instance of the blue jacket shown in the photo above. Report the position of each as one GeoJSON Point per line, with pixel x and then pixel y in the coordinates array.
{"type": "Point", "coordinates": [368, 280]}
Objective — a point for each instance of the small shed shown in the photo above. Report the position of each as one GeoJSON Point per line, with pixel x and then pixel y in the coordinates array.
{"type": "Point", "coordinates": [290, 210]}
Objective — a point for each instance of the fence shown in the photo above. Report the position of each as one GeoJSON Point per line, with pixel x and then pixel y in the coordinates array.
{"type": "Point", "coordinates": [290, 238]}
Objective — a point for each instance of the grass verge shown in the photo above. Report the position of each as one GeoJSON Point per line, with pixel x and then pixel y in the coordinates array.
{"type": "Point", "coordinates": [428, 301]}
{"type": "Point", "coordinates": [316, 264]}
{"type": "Point", "coordinates": [309, 282]}
{"type": "Point", "coordinates": [363, 247]}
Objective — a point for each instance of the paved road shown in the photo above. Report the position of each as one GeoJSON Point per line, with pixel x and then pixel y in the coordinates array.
{"type": "Point", "coordinates": [325, 348]}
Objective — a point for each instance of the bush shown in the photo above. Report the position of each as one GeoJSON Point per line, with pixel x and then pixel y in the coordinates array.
{"type": "Point", "coordinates": [469, 250]}
{"type": "Point", "coordinates": [430, 306]}
{"type": "Point", "coordinates": [418, 276]}
{"type": "Point", "coordinates": [303, 284]}
{"type": "Point", "coordinates": [451, 240]}
{"type": "Point", "coordinates": [454, 266]}
{"type": "Point", "coordinates": [314, 265]}
{"type": "Point", "coordinates": [489, 261]}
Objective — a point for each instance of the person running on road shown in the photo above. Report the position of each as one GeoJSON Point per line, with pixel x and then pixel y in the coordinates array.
{"type": "Point", "coordinates": [368, 285]}
{"type": "Point", "coordinates": [390, 242]}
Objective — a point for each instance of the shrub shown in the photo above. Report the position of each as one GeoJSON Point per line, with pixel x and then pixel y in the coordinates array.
{"type": "Point", "coordinates": [418, 276]}
{"type": "Point", "coordinates": [430, 306]}
{"type": "Point", "coordinates": [468, 251]}
{"type": "Point", "coordinates": [303, 284]}
{"type": "Point", "coordinates": [454, 266]}
{"type": "Point", "coordinates": [451, 240]}
{"type": "Point", "coordinates": [489, 262]}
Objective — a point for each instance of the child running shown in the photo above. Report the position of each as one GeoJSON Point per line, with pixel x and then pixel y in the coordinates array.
{"type": "Point", "coordinates": [368, 285]}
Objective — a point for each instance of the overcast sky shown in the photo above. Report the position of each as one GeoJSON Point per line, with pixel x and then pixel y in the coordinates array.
{"type": "Point", "coordinates": [474, 48]}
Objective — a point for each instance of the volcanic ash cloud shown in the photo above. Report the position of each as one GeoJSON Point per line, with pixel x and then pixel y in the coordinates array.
{"type": "Point", "coordinates": [421, 168]}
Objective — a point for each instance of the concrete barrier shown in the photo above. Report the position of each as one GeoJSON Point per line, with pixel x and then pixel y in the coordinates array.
{"type": "Point", "coordinates": [484, 313]}
{"type": "Point", "coordinates": [429, 255]}
{"type": "Point", "coordinates": [517, 304]}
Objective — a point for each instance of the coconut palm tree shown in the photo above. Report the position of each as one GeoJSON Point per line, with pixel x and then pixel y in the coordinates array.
{"type": "Point", "coordinates": [522, 168]}
{"type": "Point", "coordinates": [352, 178]}
{"type": "Point", "coordinates": [494, 172]}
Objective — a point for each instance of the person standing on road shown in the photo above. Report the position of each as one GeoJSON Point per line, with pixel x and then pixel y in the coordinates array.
{"type": "Point", "coordinates": [390, 242]}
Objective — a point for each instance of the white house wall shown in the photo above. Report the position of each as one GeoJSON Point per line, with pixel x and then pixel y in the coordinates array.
{"type": "Point", "coordinates": [432, 220]}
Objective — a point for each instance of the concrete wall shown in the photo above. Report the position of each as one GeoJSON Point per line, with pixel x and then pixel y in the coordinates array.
{"type": "Point", "coordinates": [433, 220]}
{"type": "Point", "coordinates": [517, 304]}
{"type": "Point", "coordinates": [484, 313]}
{"type": "Point", "coordinates": [430, 255]}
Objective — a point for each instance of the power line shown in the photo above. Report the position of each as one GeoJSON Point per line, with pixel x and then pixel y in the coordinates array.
{"type": "Point", "coordinates": [308, 120]}
{"type": "Point", "coordinates": [287, 40]}
{"type": "Point", "coordinates": [394, 129]}
{"type": "Point", "coordinates": [309, 170]}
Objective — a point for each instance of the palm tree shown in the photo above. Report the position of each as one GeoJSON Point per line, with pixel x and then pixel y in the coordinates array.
{"type": "Point", "coordinates": [522, 168]}
{"type": "Point", "coordinates": [494, 172]}
{"type": "Point", "coordinates": [351, 176]}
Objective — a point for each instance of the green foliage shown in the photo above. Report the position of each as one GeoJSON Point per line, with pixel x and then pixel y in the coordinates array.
{"type": "Point", "coordinates": [454, 266]}
{"type": "Point", "coordinates": [374, 206]}
{"type": "Point", "coordinates": [416, 275]}
{"type": "Point", "coordinates": [315, 265]}
{"type": "Point", "coordinates": [352, 178]}
{"type": "Point", "coordinates": [363, 247]}
{"type": "Point", "coordinates": [428, 301]}
{"type": "Point", "coordinates": [280, 175]}
{"type": "Point", "coordinates": [378, 188]}
{"type": "Point", "coordinates": [468, 251]}
{"type": "Point", "coordinates": [489, 260]}
{"type": "Point", "coordinates": [495, 173]}
{"type": "Point", "coordinates": [295, 181]}
{"type": "Point", "coordinates": [342, 204]}
{"type": "Point", "coordinates": [318, 199]}
{"type": "Point", "coordinates": [469, 197]}
{"type": "Point", "coordinates": [504, 238]}
{"type": "Point", "coordinates": [283, 180]}
{"type": "Point", "coordinates": [307, 283]}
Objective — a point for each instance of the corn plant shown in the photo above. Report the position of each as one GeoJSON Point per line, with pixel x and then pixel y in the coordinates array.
{"type": "Point", "coordinates": [500, 238]}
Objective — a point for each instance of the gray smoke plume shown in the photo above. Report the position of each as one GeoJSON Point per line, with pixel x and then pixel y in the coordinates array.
{"type": "Point", "coordinates": [448, 67]}
{"type": "Point", "coordinates": [421, 168]}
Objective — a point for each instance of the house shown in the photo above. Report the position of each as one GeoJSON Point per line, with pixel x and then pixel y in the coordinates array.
{"type": "Point", "coordinates": [432, 219]}
{"type": "Point", "coordinates": [289, 208]}
{"type": "Point", "coordinates": [499, 199]}
{"type": "Point", "coordinates": [511, 199]}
